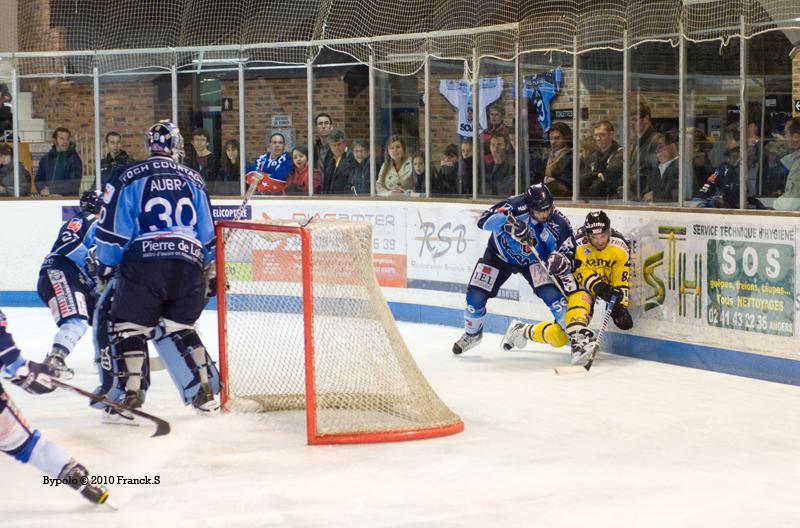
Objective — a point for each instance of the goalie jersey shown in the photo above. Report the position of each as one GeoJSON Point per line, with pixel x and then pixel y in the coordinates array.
{"type": "Point", "coordinates": [459, 94]}
{"type": "Point", "coordinates": [611, 265]}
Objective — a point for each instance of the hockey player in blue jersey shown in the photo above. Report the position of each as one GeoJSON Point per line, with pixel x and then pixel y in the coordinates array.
{"type": "Point", "coordinates": [514, 223]}
{"type": "Point", "coordinates": [19, 440]}
{"type": "Point", "coordinates": [155, 239]}
{"type": "Point", "coordinates": [65, 284]}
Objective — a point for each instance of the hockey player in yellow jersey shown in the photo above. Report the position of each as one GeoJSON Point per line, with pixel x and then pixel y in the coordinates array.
{"type": "Point", "coordinates": [602, 270]}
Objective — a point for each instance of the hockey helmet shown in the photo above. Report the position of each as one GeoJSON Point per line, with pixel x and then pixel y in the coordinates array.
{"type": "Point", "coordinates": [164, 138]}
{"type": "Point", "coordinates": [538, 197]}
{"type": "Point", "coordinates": [91, 201]}
{"type": "Point", "coordinates": [597, 222]}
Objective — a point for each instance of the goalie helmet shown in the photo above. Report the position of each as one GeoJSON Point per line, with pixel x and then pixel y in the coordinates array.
{"type": "Point", "coordinates": [538, 197]}
{"type": "Point", "coordinates": [164, 138]}
{"type": "Point", "coordinates": [597, 222]}
{"type": "Point", "coordinates": [90, 201]}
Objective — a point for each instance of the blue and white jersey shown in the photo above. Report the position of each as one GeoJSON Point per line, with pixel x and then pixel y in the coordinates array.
{"type": "Point", "coordinates": [553, 235]}
{"type": "Point", "coordinates": [542, 88]}
{"type": "Point", "coordinates": [459, 94]}
{"type": "Point", "coordinates": [71, 247]}
{"type": "Point", "coordinates": [156, 210]}
{"type": "Point", "coordinates": [278, 168]}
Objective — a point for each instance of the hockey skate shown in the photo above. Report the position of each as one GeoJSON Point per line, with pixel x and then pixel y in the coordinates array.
{"type": "Point", "coordinates": [467, 341]}
{"type": "Point", "coordinates": [115, 417]}
{"type": "Point", "coordinates": [583, 343]}
{"type": "Point", "coordinates": [204, 402]}
{"type": "Point", "coordinates": [55, 360]}
{"type": "Point", "coordinates": [515, 336]}
{"type": "Point", "coordinates": [77, 477]}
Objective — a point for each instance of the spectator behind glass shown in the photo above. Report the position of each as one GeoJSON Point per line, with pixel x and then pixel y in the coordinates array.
{"type": "Point", "coordinates": [359, 170]}
{"type": "Point", "coordinates": [499, 173]}
{"type": "Point", "coordinates": [663, 185]}
{"type": "Point", "coordinates": [602, 176]}
{"type": "Point", "coordinates": [277, 164]}
{"type": "Point", "coordinates": [464, 182]}
{"type": "Point", "coordinates": [338, 165]}
{"type": "Point", "coordinates": [228, 176]}
{"type": "Point", "coordinates": [790, 199]}
{"type": "Point", "coordinates": [643, 162]}
{"type": "Point", "coordinates": [496, 114]}
{"type": "Point", "coordinates": [697, 163]}
{"type": "Point", "coordinates": [418, 170]}
{"type": "Point", "coordinates": [446, 180]}
{"type": "Point", "coordinates": [203, 160]}
{"type": "Point", "coordinates": [396, 176]}
{"type": "Point", "coordinates": [6, 115]}
{"type": "Point", "coordinates": [558, 170]}
{"type": "Point", "coordinates": [324, 124]}
{"type": "Point", "coordinates": [115, 157]}
{"type": "Point", "coordinates": [7, 173]}
{"type": "Point", "coordinates": [60, 170]}
{"type": "Point", "coordinates": [774, 174]}
{"type": "Point", "coordinates": [298, 178]}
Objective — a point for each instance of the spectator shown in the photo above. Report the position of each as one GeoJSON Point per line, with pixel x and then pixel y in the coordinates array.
{"type": "Point", "coordinates": [497, 115]}
{"type": "Point", "coordinates": [499, 173]}
{"type": "Point", "coordinates": [115, 157]}
{"type": "Point", "coordinates": [558, 171]}
{"type": "Point", "coordinates": [60, 170]}
{"type": "Point", "coordinates": [418, 170]}
{"type": "Point", "coordinates": [324, 124]}
{"type": "Point", "coordinates": [276, 164]}
{"type": "Point", "coordinates": [663, 186]}
{"type": "Point", "coordinates": [359, 170]}
{"type": "Point", "coordinates": [396, 175]}
{"type": "Point", "coordinates": [7, 173]}
{"type": "Point", "coordinates": [464, 183]}
{"type": "Point", "coordinates": [446, 181]}
{"type": "Point", "coordinates": [203, 160]}
{"type": "Point", "coordinates": [228, 176]}
{"type": "Point", "coordinates": [644, 164]}
{"type": "Point", "coordinates": [774, 174]}
{"type": "Point", "coordinates": [697, 148]}
{"type": "Point", "coordinates": [6, 116]}
{"type": "Point", "coordinates": [603, 170]}
{"type": "Point", "coordinates": [298, 178]}
{"type": "Point", "coordinates": [790, 199]}
{"type": "Point", "coordinates": [337, 175]}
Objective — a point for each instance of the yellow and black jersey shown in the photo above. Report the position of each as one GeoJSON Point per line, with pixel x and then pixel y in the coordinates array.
{"type": "Point", "coordinates": [611, 265]}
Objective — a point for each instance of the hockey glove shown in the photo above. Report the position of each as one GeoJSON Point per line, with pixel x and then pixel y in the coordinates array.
{"type": "Point", "coordinates": [518, 229]}
{"type": "Point", "coordinates": [104, 275]}
{"type": "Point", "coordinates": [622, 317]}
{"type": "Point", "coordinates": [605, 291]}
{"type": "Point", "coordinates": [31, 376]}
{"type": "Point", "coordinates": [558, 264]}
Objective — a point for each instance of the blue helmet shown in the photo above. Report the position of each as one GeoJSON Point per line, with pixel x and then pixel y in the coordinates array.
{"type": "Point", "coordinates": [91, 201]}
{"type": "Point", "coordinates": [164, 138]}
{"type": "Point", "coordinates": [538, 198]}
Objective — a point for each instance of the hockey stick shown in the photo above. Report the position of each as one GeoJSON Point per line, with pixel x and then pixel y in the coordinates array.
{"type": "Point", "coordinates": [572, 369]}
{"type": "Point", "coordinates": [531, 242]}
{"type": "Point", "coordinates": [247, 195]}
{"type": "Point", "coordinates": [162, 426]}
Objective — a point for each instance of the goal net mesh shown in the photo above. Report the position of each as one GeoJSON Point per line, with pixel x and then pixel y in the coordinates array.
{"type": "Point", "coordinates": [364, 378]}
{"type": "Point", "coordinates": [397, 34]}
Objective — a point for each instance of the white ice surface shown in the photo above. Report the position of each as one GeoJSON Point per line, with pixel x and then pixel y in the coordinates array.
{"type": "Point", "coordinates": [633, 444]}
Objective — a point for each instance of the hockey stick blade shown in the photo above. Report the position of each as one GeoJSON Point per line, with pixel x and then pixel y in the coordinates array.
{"type": "Point", "coordinates": [162, 426]}
{"type": "Point", "coordinates": [577, 369]}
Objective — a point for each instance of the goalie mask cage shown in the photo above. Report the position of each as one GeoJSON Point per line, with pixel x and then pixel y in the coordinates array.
{"type": "Point", "coordinates": [303, 324]}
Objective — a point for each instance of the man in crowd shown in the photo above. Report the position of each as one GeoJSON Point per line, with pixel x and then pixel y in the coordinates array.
{"type": "Point", "coordinates": [60, 170]}
{"type": "Point", "coordinates": [602, 175]}
{"type": "Point", "coordinates": [115, 157]}
{"type": "Point", "coordinates": [336, 177]}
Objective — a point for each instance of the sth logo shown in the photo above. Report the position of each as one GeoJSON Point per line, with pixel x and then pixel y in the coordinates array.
{"type": "Point", "coordinates": [680, 278]}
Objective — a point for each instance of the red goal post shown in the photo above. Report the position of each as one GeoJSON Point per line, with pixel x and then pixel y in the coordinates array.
{"type": "Point", "coordinates": [303, 325]}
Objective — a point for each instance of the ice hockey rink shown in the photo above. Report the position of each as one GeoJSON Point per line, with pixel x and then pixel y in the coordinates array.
{"type": "Point", "coordinates": [634, 443]}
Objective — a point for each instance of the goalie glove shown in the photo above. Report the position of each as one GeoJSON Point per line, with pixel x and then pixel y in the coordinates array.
{"type": "Point", "coordinates": [558, 264]}
{"type": "Point", "coordinates": [605, 291]}
{"type": "Point", "coordinates": [210, 275]}
{"type": "Point", "coordinates": [31, 376]}
{"type": "Point", "coordinates": [103, 276]}
{"type": "Point", "coordinates": [518, 229]}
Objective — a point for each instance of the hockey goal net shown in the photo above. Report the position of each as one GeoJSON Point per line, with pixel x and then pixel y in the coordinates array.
{"type": "Point", "coordinates": [303, 324]}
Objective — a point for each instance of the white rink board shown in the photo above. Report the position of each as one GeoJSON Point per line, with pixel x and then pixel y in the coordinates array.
{"type": "Point", "coordinates": [433, 246]}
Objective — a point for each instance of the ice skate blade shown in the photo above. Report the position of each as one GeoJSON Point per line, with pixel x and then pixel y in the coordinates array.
{"type": "Point", "coordinates": [571, 369]}
{"type": "Point", "coordinates": [117, 419]}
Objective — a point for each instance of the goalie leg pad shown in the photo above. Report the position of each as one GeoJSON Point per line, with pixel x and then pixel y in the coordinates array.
{"type": "Point", "coordinates": [549, 333]}
{"type": "Point", "coordinates": [579, 311]}
{"type": "Point", "coordinates": [132, 355]}
{"type": "Point", "coordinates": [186, 359]}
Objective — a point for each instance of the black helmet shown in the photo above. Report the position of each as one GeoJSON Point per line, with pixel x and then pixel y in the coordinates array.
{"type": "Point", "coordinates": [90, 201]}
{"type": "Point", "coordinates": [538, 197]}
{"type": "Point", "coordinates": [597, 222]}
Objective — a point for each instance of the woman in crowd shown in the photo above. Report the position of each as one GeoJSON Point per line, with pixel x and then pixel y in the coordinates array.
{"type": "Point", "coordinates": [228, 177]}
{"type": "Point", "coordinates": [396, 176]}
{"type": "Point", "coordinates": [297, 183]}
{"type": "Point", "coordinates": [418, 169]}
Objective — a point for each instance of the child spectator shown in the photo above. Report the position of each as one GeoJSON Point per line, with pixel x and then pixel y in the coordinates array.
{"type": "Point", "coordinates": [418, 170]}
{"type": "Point", "coordinates": [298, 178]}
{"type": "Point", "coordinates": [203, 160]}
